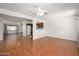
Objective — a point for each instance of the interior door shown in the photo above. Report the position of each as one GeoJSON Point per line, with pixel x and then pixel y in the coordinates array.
{"type": "Point", "coordinates": [28, 30]}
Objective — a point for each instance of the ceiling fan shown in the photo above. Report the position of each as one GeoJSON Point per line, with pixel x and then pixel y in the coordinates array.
{"type": "Point", "coordinates": [41, 12]}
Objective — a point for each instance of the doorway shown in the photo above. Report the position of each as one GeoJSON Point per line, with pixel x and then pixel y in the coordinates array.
{"type": "Point", "coordinates": [29, 30]}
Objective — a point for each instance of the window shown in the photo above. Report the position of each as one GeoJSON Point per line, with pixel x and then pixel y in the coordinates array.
{"type": "Point", "coordinates": [11, 27]}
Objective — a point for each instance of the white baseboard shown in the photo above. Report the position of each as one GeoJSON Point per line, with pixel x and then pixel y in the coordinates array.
{"type": "Point", "coordinates": [63, 38]}
{"type": "Point", "coordinates": [56, 37]}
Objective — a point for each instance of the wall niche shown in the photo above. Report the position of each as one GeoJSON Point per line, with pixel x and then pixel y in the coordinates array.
{"type": "Point", "coordinates": [39, 25]}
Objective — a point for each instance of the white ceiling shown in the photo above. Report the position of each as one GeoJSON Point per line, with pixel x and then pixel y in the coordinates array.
{"type": "Point", "coordinates": [30, 8]}
{"type": "Point", "coordinates": [11, 19]}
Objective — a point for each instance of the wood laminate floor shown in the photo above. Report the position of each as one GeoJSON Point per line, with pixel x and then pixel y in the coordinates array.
{"type": "Point", "coordinates": [17, 45]}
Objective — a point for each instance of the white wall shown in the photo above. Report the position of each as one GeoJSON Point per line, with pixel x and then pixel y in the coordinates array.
{"type": "Point", "coordinates": [59, 25]}
{"type": "Point", "coordinates": [24, 28]}
{"type": "Point", "coordinates": [40, 32]}
{"type": "Point", "coordinates": [1, 31]}
{"type": "Point", "coordinates": [78, 31]}
{"type": "Point", "coordinates": [1, 28]}
{"type": "Point", "coordinates": [62, 27]}
{"type": "Point", "coordinates": [20, 28]}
